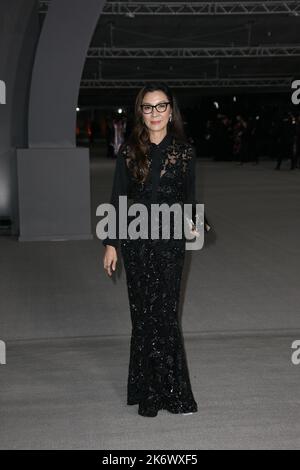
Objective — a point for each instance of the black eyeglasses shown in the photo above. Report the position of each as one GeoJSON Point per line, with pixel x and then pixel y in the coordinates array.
{"type": "Point", "coordinates": [160, 107]}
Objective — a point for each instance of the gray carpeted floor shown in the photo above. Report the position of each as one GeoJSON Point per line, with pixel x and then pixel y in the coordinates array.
{"type": "Point", "coordinates": [67, 325]}
{"type": "Point", "coordinates": [71, 394]}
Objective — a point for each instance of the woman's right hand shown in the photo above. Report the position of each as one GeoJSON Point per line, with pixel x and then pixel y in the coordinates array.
{"type": "Point", "coordinates": [110, 259]}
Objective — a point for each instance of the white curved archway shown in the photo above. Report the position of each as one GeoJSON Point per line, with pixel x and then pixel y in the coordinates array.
{"type": "Point", "coordinates": [60, 57]}
{"type": "Point", "coordinates": [54, 176]}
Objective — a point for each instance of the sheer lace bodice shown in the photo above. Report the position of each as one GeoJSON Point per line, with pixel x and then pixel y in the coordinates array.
{"type": "Point", "coordinates": [171, 177]}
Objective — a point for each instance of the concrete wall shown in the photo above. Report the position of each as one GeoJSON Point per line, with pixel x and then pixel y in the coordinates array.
{"type": "Point", "coordinates": [19, 32]}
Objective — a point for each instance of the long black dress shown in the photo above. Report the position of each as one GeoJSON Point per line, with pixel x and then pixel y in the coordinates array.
{"type": "Point", "coordinates": [158, 373]}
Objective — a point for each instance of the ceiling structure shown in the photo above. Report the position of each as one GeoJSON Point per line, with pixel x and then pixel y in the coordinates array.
{"type": "Point", "coordinates": [201, 47]}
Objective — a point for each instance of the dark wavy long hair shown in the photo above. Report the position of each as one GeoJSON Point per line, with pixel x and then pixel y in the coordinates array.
{"type": "Point", "coordinates": [139, 140]}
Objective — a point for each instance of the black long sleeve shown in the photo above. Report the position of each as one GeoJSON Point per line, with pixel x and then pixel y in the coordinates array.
{"type": "Point", "coordinates": [190, 189]}
{"type": "Point", "coordinates": [119, 188]}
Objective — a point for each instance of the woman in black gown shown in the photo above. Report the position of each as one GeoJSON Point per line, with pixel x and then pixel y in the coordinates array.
{"type": "Point", "coordinates": [156, 164]}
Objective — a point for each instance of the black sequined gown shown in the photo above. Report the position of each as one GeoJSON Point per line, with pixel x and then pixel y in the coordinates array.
{"type": "Point", "coordinates": [158, 373]}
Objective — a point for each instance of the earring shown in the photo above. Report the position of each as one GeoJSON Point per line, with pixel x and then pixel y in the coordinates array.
{"type": "Point", "coordinates": [170, 117]}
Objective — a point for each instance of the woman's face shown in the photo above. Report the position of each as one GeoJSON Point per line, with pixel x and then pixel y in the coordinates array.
{"type": "Point", "coordinates": [156, 120]}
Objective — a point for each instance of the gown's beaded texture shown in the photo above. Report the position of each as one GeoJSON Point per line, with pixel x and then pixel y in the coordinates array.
{"type": "Point", "coordinates": [158, 375]}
